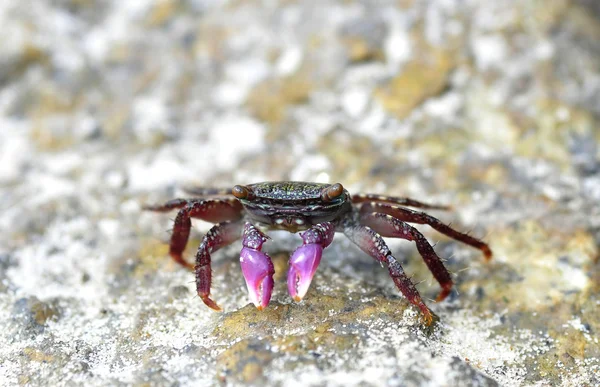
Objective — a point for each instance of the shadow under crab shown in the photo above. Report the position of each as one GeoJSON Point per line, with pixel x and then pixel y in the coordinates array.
{"type": "Point", "coordinates": [319, 210]}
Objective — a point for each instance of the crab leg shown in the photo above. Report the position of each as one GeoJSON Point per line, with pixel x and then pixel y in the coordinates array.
{"type": "Point", "coordinates": [207, 191]}
{"type": "Point", "coordinates": [257, 266]}
{"type": "Point", "coordinates": [168, 206]}
{"type": "Point", "coordinates": [422, 218]}
{"type": "Point", "coordinates": [305, 260]}
{"type": "Point", "coordinates": [388, 226]}
{"type": "Point", "coordinates": [373, 244]}
{"type": "Point", "coordinates": [213, 210]}
{"type": "Point", "coordinates": [220, 235]}
{"type": "Point", "coordinates": [360, 198]}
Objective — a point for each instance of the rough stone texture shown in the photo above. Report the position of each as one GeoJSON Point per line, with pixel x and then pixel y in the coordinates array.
{"type": "Point", "coordinates": [492, 107]}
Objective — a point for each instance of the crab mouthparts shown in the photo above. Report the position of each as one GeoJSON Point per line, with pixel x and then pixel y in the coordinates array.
{"type": "Point", "coordinates": [303, 265]}
{"type": "Point", "coordinates": [258, 272]}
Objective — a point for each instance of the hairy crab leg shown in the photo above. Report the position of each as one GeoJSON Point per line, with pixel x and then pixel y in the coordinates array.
{"type": "Point", "coordinates": [207, 191]}
{"type": "Point", "coordinates": [257, 266]}
{"type": "Point", "coordinates": [389, 226]}
{"type": "Point", "coordinates": [373, 244]}
{"type": "Point", "coordinates": [168, 206]}
{"type": "Point", "coordinates": [220, 235]}
{"type": "Point", "coordinates": [305, 260]}
{"type": "Point", "coordinates": [213, 210]}
{"type": "Point", "coordinates": [361, 198]}
{"type": "Point", "coordinates": [411, 216]}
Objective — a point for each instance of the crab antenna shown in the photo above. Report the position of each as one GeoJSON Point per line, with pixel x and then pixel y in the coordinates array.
{"type": "Point", "coordinates": [332, 192]}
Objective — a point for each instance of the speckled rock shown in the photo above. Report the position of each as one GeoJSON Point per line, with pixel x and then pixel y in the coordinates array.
{"type": "Point", "coordinates": [32, 315]}
{"type": "Point", "coordinates": [490, 107]}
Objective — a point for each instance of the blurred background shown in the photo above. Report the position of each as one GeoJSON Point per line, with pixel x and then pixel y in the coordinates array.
{"type": "Point", "coordinates": [492, 107]}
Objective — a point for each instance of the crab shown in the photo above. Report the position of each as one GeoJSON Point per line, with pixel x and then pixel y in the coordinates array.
{"type": "Point", "coordinates": [317, 210]}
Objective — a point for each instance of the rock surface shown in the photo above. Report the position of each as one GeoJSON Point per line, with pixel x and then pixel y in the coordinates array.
{"type": "Point", "coordinates": [489, 106]}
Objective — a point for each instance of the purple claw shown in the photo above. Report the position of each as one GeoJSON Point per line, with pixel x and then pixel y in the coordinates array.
{"type": "Point", "coordinates": [258, 271]}
{"type": "Point", "coordinates": [303, 265]}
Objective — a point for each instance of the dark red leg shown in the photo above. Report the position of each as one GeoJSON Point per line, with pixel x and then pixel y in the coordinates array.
{"type": "Point", "coordinates": [168, 206]}
{"type": "Point", "coordinates": [213, 210]}
{"type": "Point", "coordinates": [218, 236]}
{"type": "Point", "coordinates": [305, 260]}
{"type": "Point", "coordinates": [257, 266]}
{"type": "Point", "coordinates": [373, 244]}
{"type": "Point", "coordinates": [422, 218]}
{"type": "Point", "coordinates": [360, 198]}
{"type": "Point", "coordinates": [207, 191]}
{"type": "Point", "coordinates": [388, 226]}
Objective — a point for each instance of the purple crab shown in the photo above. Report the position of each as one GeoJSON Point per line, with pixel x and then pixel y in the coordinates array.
{"type": "Point", "coordinates": [319, 210]}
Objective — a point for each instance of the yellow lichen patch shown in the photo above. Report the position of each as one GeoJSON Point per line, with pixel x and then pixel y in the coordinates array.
{"type": "Point", "coordinates": [44, 311]}
{"type": "Point", "coordinates": [32, 54]}
{"type": "Point", "coordinates": [420, 79]}
{"type": "Point", "coordinates": [315, 322]}
{"type": "Point", "coordinates": [315, 42]}
{"type": "Point", "coordinates": [574, 345]}
{"type": "Point", "coordinates": [280, 263]}
{"type": "Point", "coordinates": [540, 15]}
{"type": "Point", "coordinates": [443, 149]}
{"type": "Point", "coordinates": [585, 22]}
{"type": "Point", "coordinates": [153, 249]}
{"type": "Point", "coordinates": [584, 244]}
{"type": "Point", "coordinates": [37, 355]}
{"type": "Point", "coordinates": [270, 100]}
{"type": "Point", "coordinates": [316, 313]}
{"type": "Point", "coordinates": [154, 255]}
{"type": "Point", "coordinates": [359, 50]}
{"type": "Point", "coordinates": [145, 80]}
{"type": "Point", "coordinates": [161, 12]}
{"type": "Point", "coordinates": [247, 360]}
{"type": "Point", "coordinates": [490, 125]}
{"type": "Point", "coordinates": [540, 280]}
{"type": "Point", "coordinates": [535, 267]}
{"type": "Point", "coordinates": [52, 107]}
{"type": "Point", "coordinates": [405, 4]}
{"type": "Point", "coordinates": [378, 306]}
{"type": "Point", "coordinates": [36, 314]}
{"type": "Point", "coordinates": [547, 136]}
{"type": "Point", "coordinates": [342, 150]}
{"type": "Point", "coordinates": [244, 321]}
{"type": "Point", "coordinates": [47, 139]}
{"type": "Point", "coordinates": [210, 39]}
{"type": "Point", "coordinates": [301, 344]}
{"type": "Point", "coordinates": [296, 88]}
{"type": "Point", "coordinates": [244, 361]}
{"type": "Point", "coordinates": [493, 174]}
{"type": "Point", "coordinates": [571, 343]}
{"type": "Point", "coordinates": [114, 121]}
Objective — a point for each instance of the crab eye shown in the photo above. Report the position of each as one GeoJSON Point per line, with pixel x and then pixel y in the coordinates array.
{"type": "Point", "coordinates": [240, 192]}
{"type": "Point", "coordinates": [332, 192]}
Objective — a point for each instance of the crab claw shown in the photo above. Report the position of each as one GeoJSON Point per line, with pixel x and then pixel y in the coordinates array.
{"type": "Point", "coordinates": [258, 271]}
{"type": "Point", "coordinates": [303, 265]}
